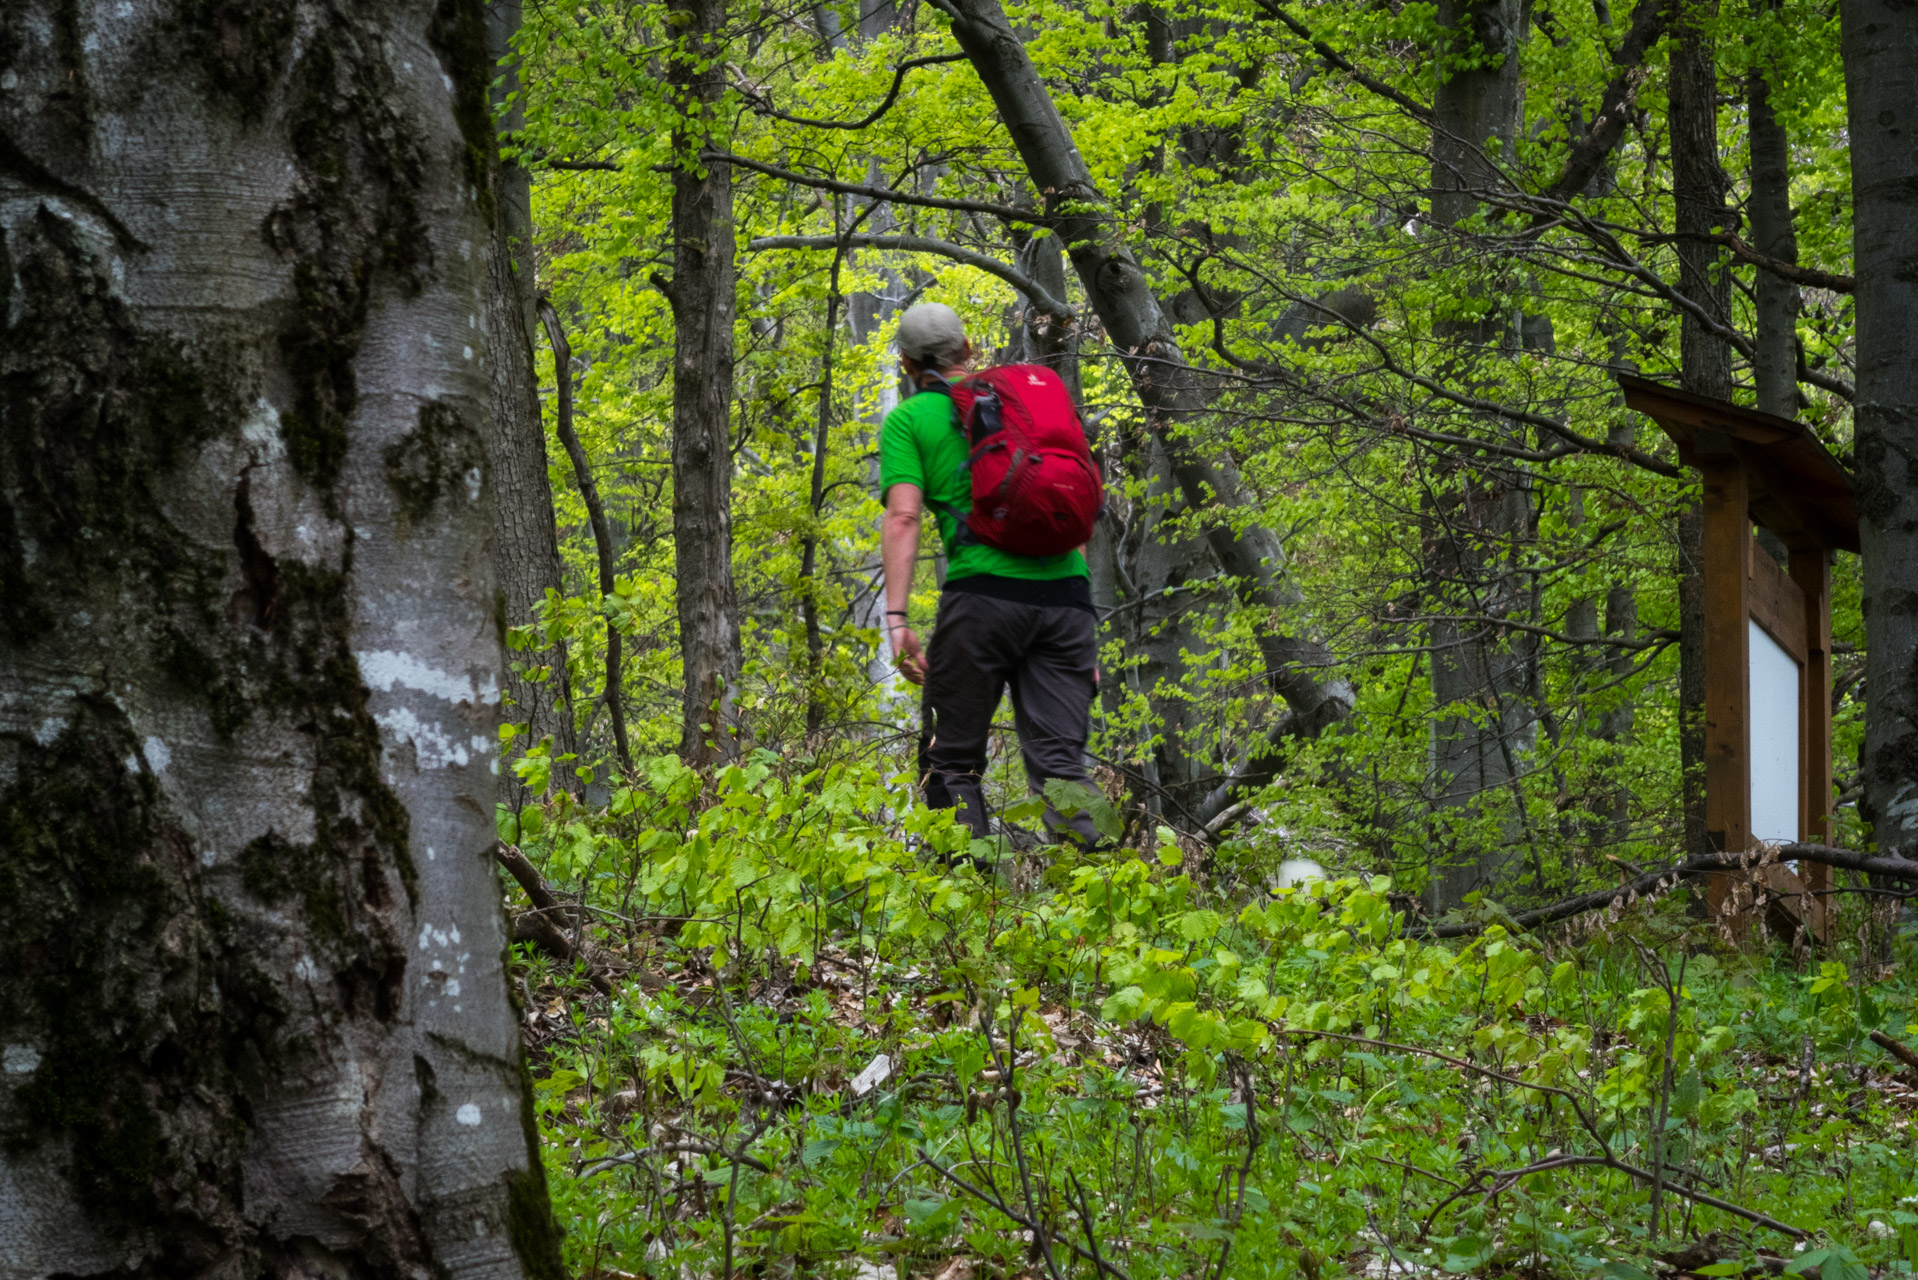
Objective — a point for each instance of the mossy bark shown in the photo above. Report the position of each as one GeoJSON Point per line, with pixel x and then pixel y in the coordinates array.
{"type": "Point", "coordinates": [1881, 85]}
{"type": "Point", "coordinates": [249, 671]}
{"type": "Point", "coordinates": [526, 538]}
{"type": "Point", "coordinates": [702, 299]}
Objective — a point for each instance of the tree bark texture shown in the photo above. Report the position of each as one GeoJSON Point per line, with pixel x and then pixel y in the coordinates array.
{"type": "Point", "coordinates": [1698, 189]}
{"type": "Point", "coordinates": [255, 1019]}
{"type": "Point", "coordinates": [1775, 361]}
{"type": "Point", "coordinates": [701, 292]}
{"type": "Point", "coordinates": [1172, 392]}
{"type": "Point", "coordinates": [526, 535]}
{"type": "Point", "coordinates": [1477, 750]}
{"type": "Point", "coordinates": [1880, 40]}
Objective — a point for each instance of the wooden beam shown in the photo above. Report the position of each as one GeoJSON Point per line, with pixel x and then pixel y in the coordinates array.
{"type": "Point", "coordinates": [1812, 572]}
{"type": "Point", "coordinates": [1727, 548]}
{"type": "Point", "coordinates": [1777, 604]}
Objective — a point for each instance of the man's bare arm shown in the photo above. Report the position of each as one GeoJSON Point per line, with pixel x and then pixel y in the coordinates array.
{"type": "Point", "coordinates": [899, 555]}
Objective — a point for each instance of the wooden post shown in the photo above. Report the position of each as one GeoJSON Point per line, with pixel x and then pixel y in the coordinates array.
{"type": "Point", "coordinates": [1726, 549]}
{"type": "Point", "coordinates": [1810, 569]}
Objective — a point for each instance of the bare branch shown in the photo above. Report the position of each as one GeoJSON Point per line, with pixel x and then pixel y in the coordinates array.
{"type": "Point", "coordinates": [765, 107]}
{"type": "Point", "coordinates": [925, 244]}
{"type": "Point", "coordinates": [885, 194]}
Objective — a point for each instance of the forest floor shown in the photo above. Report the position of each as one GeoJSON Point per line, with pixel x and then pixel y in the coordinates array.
{"type": "Point", "coordinates": [799, 1040]}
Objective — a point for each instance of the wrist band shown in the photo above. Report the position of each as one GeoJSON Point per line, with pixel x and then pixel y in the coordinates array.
{"type": "Point", "coordinates": [896, 613]}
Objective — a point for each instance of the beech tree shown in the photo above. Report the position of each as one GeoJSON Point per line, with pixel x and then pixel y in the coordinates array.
{"type": "Point", "coordinates": [256, 1020]}
{"type": "Point", "coordinates": [1881, 76]}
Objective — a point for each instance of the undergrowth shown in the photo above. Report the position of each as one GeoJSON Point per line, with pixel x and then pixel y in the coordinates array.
{"type": "Point", "coordinates": [842, 1040]}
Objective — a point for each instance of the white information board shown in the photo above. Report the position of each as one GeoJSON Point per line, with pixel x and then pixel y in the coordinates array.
{"type": "Point", "coordinates": [1773, 745]}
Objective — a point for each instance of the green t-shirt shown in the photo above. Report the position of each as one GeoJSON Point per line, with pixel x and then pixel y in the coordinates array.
{"type": "Point", "coordinates": [920, 445]}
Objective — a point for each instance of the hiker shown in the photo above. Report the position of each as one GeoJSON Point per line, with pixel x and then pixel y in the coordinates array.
{"type": "Point", "coordinates": [1016, 606]}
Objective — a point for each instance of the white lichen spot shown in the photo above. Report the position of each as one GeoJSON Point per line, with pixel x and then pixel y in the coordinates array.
{"type": "Point", "coordinates": [19, 1059]}
{"type": "Point", "coordinates": [473, 479]}
{"type": "Point", "coordinates": [472, 321]}
{"type": "Point", "coordinates": [466, 353]}
{"type": "Point", "coordinates": [469, 1113]}
{"type": "Point", "coordinates": [158, 757]}
{"type": "Point", "coordinates": [430, 855]}
{"type": "Point", "coordinates": [386, 670]}
{"type": "Point", "coordinates": [209, 856]}
{"type": "Point", "coordinates": [83, 619]}
{"type": "Point", "coordinates": [261, 430]}
{"type": "Point", "coordinates": [452, 986]}
{"type": "Point", "coordinates": [49, 730]}
{"type": "Point", "coordinates": [447, 81]}
{"type": "Point", "coordinates": [433, 747]}
{"type": "Point", "coordinates": [8, 81]}
{"type": "Point", "coordinates": [305, 970]}
{"type": "Point", "coordinates": [132, 764]}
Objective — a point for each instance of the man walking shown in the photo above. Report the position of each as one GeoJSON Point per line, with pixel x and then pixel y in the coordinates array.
{"type": "Point", "coordinates": [1005, 619]}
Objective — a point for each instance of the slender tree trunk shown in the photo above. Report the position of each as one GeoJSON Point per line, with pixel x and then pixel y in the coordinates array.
{"type": "Point", "coordinates": [1171, 391]}
{"type": "Point", "coordinates": [255, 1018]}
{"type": "Point", "coordinates": [701, 292]}
{"type": "Point", "coordinates": [1698, 188]}
{"type": "Point", "coordinates": [526, 537]}
{"type": "Point", "coordinates": [1775, 368]}
{"type": "Point", "coordinates": [603, 550]}
{"type": "Point", "coordinates": [816, 501]}
{"type": "Point", "coordinates": [1881, 85]}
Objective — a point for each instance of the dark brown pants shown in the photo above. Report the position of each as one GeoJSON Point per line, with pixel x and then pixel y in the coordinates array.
{"type": "Point", "coordinates": [1048, 655]}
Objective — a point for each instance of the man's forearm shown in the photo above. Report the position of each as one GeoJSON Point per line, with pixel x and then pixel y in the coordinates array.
{"type": "Point", "coordinates": [899, 554]}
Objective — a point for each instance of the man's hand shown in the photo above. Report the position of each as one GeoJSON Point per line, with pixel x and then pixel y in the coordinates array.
{"type": "Point", "coordinates": [906, 652]}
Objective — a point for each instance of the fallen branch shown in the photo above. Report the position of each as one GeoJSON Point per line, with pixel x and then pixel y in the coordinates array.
{"type": "Point", "coordinates": [1902, 869]}
{"type": "Point", "coordinates": [1895, 1049]}
{"type": "Point", "coordinates": [536, 926]}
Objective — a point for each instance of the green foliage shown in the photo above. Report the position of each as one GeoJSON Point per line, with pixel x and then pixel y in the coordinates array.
{"type": "Point", "coordinates": [1158, 1047]}
{"type": "Point", "coordinates": [778, 932]}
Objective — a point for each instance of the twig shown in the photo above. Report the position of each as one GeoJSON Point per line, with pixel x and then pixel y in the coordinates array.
{"type": "Point", "coordinates": [885, 195]}
{"type": "Point", "coordinates": [1038, 1229]}
{"type": "Point", "coordinates": [1606, 1160]}
{"type": "Point", "coordinates": [925, 244]}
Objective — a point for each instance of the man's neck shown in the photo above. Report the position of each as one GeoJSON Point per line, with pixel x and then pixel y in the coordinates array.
{"type": "Point", "coordinates": [951, 375]}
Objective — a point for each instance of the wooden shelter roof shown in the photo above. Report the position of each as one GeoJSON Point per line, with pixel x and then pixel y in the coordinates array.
{"type": "Point", "coordinates": [1798, 490]}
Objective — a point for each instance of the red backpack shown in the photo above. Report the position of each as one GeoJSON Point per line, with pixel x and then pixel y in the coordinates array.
{"type": "Point", "coordinates": [1035, 488]}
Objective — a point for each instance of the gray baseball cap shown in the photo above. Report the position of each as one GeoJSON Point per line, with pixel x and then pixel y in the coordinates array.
{"type": "Point", "coordinates": [931, 335]}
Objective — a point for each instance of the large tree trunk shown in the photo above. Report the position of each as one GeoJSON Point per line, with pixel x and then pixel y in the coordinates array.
{"type": "Point", "coordinates": [1881, 85]}
{"type": "Point", "coordinates": [1172, 392]}
{"type": "Point", "coordinates": [255, 1020]}
{"type": "Point", "coordinates": [701, 292]}
{"type": "Point", "coordinates": [526, 536]}
{"type": "Point", "coordinates": [1698, 188]}
{"type": "Point", "coordinates": [1482, 733]}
